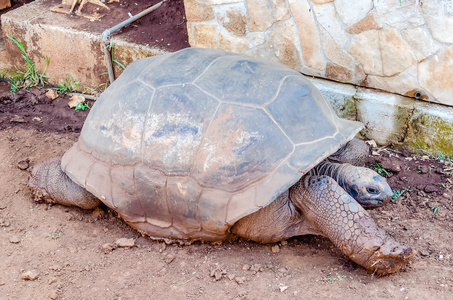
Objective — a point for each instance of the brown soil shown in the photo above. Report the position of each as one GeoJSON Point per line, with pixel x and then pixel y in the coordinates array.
{"type": "Point", "coordinates": [63, 252]}
{"type": "Point", "coordinates": [165, 28]}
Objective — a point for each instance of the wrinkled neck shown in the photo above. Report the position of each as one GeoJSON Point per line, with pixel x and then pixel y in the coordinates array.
{"type": "Point", "coordinates": [336, 171]}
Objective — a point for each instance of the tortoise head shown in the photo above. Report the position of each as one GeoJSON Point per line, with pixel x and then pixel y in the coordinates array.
{"type": "Point", "coordinates": [366, 186]}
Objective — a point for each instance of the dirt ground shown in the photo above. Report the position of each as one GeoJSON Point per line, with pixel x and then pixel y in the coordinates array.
{"type": "Point", "coordinates": [55, 252]}
{"type": "Point", "coordinates": [165, 28]}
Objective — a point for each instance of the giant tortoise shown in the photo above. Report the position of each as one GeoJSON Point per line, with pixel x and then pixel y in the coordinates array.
{"type": "Point", "coordinates": [203, 144]}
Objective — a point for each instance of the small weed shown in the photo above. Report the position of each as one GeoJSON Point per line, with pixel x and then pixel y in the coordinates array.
{"type": "Point", "coordinates": [399, 193]}
{"type": "Point", "coordinates": [30, 74]}
{"type": "Point", "coordinates": [81, 106]}
{"type": "Point", "coordinates": [381, 170]}
{"type": "Point", "coordinates": [119, 64]}
{"type": "Point", "coordinates": [111, 47]}
{"type": "Point", "coordinates": [439, 156]}
{"type": "Point", "coordinates": [16, 83]}
{"type": "Point", "coordinates": [337, 277]}
{"type": "Point", "coordinates": [435, 209]}
{"type": "Point", "coordinates": [442, 184]}
{"type": "Point", "coordinates": [53, 236]}
{"type": "Point", "coordinates": [67, 87]}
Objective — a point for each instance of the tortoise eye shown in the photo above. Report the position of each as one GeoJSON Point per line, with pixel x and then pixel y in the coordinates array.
{"type": "Point", "coordinates": [372, 190]}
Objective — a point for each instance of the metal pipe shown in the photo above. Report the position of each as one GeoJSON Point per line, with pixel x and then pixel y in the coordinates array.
{"type": "Point", "coordinates": [108, 32]}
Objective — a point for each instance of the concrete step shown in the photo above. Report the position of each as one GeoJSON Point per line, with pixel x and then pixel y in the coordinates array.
{"type": "Point", "coordinates": [73, 44]}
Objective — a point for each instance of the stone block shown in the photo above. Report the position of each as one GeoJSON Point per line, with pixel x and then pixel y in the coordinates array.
{"type": "Point", "coordinates": [436, 76]}
{"type": "Point", "coordinates": [279, 45]}
{"type": "Point", "coordinates": [381, 52]}
{"type": "Point", "coordinates": [369, 22]}
{"type": "Point", "coordinates": [338, 73]}
{"type": "Point", "coordinates": [340, 96]}
{"type": "Point", "coordinates": [310, 42]}
{"type": "Point", "coordinates": [386, 116]}
{"type": "Point", "coordinates": [5, 4]}
{"type": "Point", "coordinates": [62, 39]}
{"type": "Point", "coordinates": [198, 11]}
{"type": "Point", "coordinates": [205, 35]}
{"type": "Point", "coordinates": [233, 18]}
{"type": "Point", "coordinates": [431, 129]}
{"type": "Point", "coordinates": [336, 54]}
{"type": "Point", "coordinates": [401, 16]}
{"type": "Point", "coordinates": [351, 14]}
{"type": "Point", "coordinates": [327, 18]}
{"type": "Point", "coordinates": [233, 43]}
{"type": "Point", "coordinates": [262, 14]}
{"type": "Point", "coordinates": [404, 83]}
{"type": "Point", "coordinates": [421, 42]}
{"type": "Point", "coordinates": [322, 1]}
{"type": "Point", "coordinates": [439, 17]}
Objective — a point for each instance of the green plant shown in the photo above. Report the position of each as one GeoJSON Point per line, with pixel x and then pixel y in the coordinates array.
{"type": "Point", "coordinates": [381, 170]}
{"type": "Point", "coordinates": [31, 73]}
{"type": "Point", "coordinates": [81, 106]}
{"type": "Point", "coordinates": [66, 86]}
{"type": "Point", "coordinates": [54, 235]}
{"type": "Point", "coordinates": [111, 48]}
{"type": "Point", "coordinates": [337, 277]}
{"type": "Point", "coordinates": [16, 83]}
{"type": "Point", "coordinates": [435, 209]}
{"type": "Point", "coordinates": [399, 193]}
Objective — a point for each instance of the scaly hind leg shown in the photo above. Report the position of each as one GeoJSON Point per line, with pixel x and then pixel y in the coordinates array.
{"type": "Point", "coordinates": [339, 217]}
{"type": "Point", "coordinates": [50, 184]}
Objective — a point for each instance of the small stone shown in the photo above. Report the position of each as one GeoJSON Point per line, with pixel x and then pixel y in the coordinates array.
{"type": "Point", "coordinates": [284, 243]}
{"type": "Point", "coordinates": [257, 268]}
{"type": "Point", "coordinates": [230, 276]}
{"type": "Point", "coordinates": [372, 143]}
{"type": "Point", "coordinates": [14, 239]}
{"type": "Point", "coordinates": [53, 280]}
{"type": "Point", "coordinates": [240, 280]}
{"type": "Point", "coordinates": [108, 248]}
{"type": "Point", "coordinates": [30, 275]}
{"type": "Point", "coordinates": [76, 99]}
{"type": "Point", "coordinates": [17, 119]}
{"type": "Point", "coordinates": [283, 288]}
{"type": "Point", "coordinates": [424, 169]}
{"type": "Point", "coordinates": [162, 272]}
{"type": "Point", "coordinates": [275, 249]}
{"type": "Point", "coordinates": [282, 270]}
{"type": "Point", "coordinates": [53, 294]}
{"type": "Point", "coordinates": [52, 94]}
{"type": "Point", "coordinates": [431, 188]}
{"type": "Point", "coordinates": [125, 243]}
{"type": "Point", "coordinates": [217, 273]}
{"type": "Point", "coordinates": [246, 267]}
{"type": "Point", "coordinates": [23, 164]}
{"type": "Point", "coordinates": [55, 268]}
{"type": "Point", "coordinates": [425, 157]}
{"type": "Point", "coordinates": [169, 258]}
{"type": "Point", "coordinates": [2, 283]}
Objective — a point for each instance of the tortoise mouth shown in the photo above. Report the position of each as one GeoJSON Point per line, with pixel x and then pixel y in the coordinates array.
{"type": "Point", "coordinates": [373, 203]}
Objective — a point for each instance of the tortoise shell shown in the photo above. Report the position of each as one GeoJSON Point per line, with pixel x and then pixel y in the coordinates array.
{"type": "Point", "coordinates": [185, 144]}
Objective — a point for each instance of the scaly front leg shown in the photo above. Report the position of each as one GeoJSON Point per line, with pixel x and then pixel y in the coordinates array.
{"type": "Point", "coordinates": [339, 217]}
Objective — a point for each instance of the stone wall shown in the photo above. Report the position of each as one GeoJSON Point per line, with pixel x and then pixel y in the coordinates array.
{"type": "Point", "coordinates": [404, 47]}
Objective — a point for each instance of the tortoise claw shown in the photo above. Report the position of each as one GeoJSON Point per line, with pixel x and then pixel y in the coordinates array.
{"type": "Point", "coordinates": [389, 258]}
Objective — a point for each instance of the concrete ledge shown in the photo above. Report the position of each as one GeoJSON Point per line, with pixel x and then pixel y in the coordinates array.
{"type": "Point", "coordinates": [64, 40]}
{"type": "Point", "coordinates": [393, 119]}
